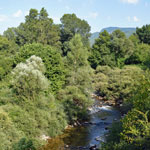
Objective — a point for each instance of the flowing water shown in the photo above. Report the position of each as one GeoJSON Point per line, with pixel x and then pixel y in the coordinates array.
{"type": "Point", "coordinates": [91, 133]}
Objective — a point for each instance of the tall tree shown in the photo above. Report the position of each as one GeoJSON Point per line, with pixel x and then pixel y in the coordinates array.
{"type": "Point", "coordinates": [76, 94]}
{"type": "Point", "coordinates": [144, 34]}
{"type": "Point", "coordinates": [111, 49]}
{"type": "Point", "coordinates": [100, 52]}
{"type": "Point", "coordinates": [78, 54]}
{"type": "Point", "coordinates": [52, 59]}
{"type": "Point", "coordinates": [72, 25]}
{"type": "Point", "coordinates": [43, 15]}
{"type": "Point", "coordinates": [38, 28]}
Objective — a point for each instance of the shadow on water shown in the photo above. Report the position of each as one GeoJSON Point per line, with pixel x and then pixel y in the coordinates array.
{"type": "Point", "coordinates": [90, 134]}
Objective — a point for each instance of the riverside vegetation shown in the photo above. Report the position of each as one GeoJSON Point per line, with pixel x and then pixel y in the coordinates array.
{"type": "Point", "coordinates": [48, 72]}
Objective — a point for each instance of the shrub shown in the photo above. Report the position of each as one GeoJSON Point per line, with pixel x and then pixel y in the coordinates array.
{"type": "Point", "coordinates": [8, 133]}
{"type": "Point", "coordinates": [55, 70]}
{"type": "Point", "coordinates": [28, 78]}
{"type": "Point", "coordinates": [116, 84]}
{"type": "Point", "coordinates": [24, 144]}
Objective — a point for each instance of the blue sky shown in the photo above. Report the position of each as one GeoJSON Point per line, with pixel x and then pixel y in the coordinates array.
{"type": "Point", "coordinates": [98, 13]}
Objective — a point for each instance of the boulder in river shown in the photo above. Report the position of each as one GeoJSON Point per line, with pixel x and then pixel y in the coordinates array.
{"type": "Point", "coordinates": [93, 147]}
{"type": "Point", "coordinates": [107, 128]}
{"type": "Point", "coordinates": [98, 138]}
{"type": "Point", "coordinates": [103, 118]}
{"type": "Point", "coordinates": [115, 119]}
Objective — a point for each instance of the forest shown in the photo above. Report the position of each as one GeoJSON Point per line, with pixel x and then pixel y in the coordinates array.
{"type": "Point", "coordinates": [48, 72]}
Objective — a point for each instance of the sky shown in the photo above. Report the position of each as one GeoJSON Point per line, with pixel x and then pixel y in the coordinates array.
{"type": "Point", "coordinates": [98, 13]}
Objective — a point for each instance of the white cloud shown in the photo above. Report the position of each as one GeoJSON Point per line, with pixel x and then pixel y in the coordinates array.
{"type": "Point", "coordinates": [130, 1]}
{"type": "Point", "coordinates": [3, 18]}
{"type": "Point", "coordinates": [17, 14]}
{"type": "Point", "coordinates": [56, 20]}
{"type": "Point", "coordinates": [135, 19]}
{"type": "Point", "coordinates": [93, 15]}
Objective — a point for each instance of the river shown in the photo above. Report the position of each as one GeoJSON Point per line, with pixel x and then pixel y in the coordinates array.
{"type": "Point", "coordinates": [90, 134]}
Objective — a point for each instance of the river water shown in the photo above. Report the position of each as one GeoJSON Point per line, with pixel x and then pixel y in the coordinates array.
{"type": "Point", "coordinates": [91, 133]}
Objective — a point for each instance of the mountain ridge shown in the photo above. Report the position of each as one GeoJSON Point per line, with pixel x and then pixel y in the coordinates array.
{"type": "Point", "coordinates": [127, 30]}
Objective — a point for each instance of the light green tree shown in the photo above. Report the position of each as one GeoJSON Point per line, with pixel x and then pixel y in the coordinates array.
{"type": "Point", "coordinates": [28, 78]}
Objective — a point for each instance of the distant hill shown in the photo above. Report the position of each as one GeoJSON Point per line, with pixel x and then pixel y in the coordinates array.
{"type": "Point", "coordinates": [127, 31]}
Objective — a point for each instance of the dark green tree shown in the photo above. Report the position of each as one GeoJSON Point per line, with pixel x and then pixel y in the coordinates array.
{"type": "Point", "coordinates": [100, 53]}
{"type": "Point", "coordinates": [52, 59]}
{"type": "Point", "coordinates": [111, 49]}
{"type": "Point", "coordinates": [33, 15]}
{"type": "Point", "coordinates": [24, 144]}
{"type": "Point", "coordinates": [43, 15]}
{"type": "Point", "coordinates": [72, 25]}
{"type": "Point", "coordinates": [144, 34]}
{"type": "Point", "coordinates": [10, 34]}
{"type": "Point", "coordinates": [38, 28]}
{"type": "Point", "coordinates": [76, 94]}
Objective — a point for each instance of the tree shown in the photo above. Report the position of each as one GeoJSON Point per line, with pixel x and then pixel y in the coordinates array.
{"type": "Point", "coordinates": [134, 38]}
{"type": "Point", "coordinates": [24, 144]}
{"type": "Point", "coordinates": [118, 34]}
{"type": "Point", "coordinates": [76, 94]}
{"type": "Point", "coordinates": [8, 50]}
{"type": "Point", "coordinates": [38, 27]}
{"type": "Point", "coordinates": [8, 132]}
{"type": "Point", "coordinates": [33, 15]}
{"type": "Point", "coordinates": [116, 84]}
{"type": "Point", "coordinates": [136, 129]}
{"type": "Point", "coordinates": [72, 25]}
{"type": "Point", "coordinates": [55, 70]}
{"type": "Point", "coordinates": [144, 34]}
{"type": "Point", "coordinates": [28, 78]}
{"type": "Point", "coordinates": [100, 52]}
{"type": "Point", "coordinates": [10, 34]}
{"type": "Point", "coordinates": [5, 45]}
{"type": "Point", "coordinates": [43, 15]}
{"type": "Point", "coordinates": [78, 54]}
{"type": "Point", "coordinates": [111, 49]}
{"type": "Point", "coordinates": [122, 49]}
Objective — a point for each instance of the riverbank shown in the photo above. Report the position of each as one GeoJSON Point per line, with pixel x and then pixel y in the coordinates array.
{"type": "Point", "coordinates": [89, 134]}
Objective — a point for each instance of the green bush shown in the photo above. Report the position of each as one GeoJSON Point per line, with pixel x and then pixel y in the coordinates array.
{"type": "Point", "coordinates": [141, 95]}
{"type": "Point", "coordinates": [116, 84]}
{"type": "Point", "coordinates": [24, 144]}
{"type": "Point", "coordinates": [8, 132]}
{"type": "Point", "coordinates": [28, 80]}
{"type": "Point", "coordinates": [75, 103]}
{"type": "Point", "coordinates": [52, 60]}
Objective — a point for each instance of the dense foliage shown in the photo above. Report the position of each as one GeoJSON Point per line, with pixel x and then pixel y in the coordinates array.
{"type": "Point", "coordinates": [116, 84]}
{"type": "Point", "coordinates": [41, 91]}
{"type": "Point", "coordinates": [47, 75]}
{"type": "Point", "coordinates": [133, 131]}
{"type": "Point", "coordinates": [111, 49]}
{"type": "Point", "coordinates": [72, 25]}
{"type": "Point", "coordinates": [76, 94]}
{"type": "Point", "coordinates": [38, 27]}
{"type": "Point", "coordinates": [144, 34]}
{"type": "Point", "coordinates": [55, 69]}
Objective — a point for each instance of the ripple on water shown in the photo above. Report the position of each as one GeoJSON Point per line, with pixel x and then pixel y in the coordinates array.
{"type": "Point", "coordinates": [84, 136]}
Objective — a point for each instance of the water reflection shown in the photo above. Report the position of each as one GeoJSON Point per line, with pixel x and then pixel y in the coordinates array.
{"type": "Point", "coordinates": [86, 135]}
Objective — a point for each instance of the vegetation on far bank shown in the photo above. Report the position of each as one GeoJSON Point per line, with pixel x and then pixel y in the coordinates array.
{"type": "Point", "coordinates": [48, 72]}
